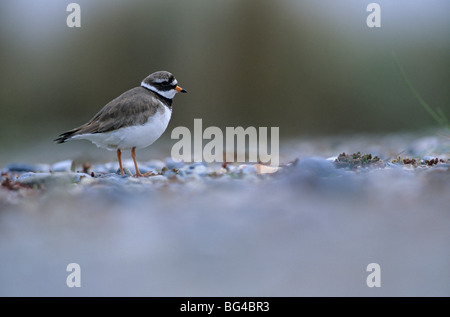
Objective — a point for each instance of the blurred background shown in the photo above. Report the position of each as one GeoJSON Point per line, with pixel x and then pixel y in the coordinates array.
{"type": "Point", "coordinates": [308, 67]}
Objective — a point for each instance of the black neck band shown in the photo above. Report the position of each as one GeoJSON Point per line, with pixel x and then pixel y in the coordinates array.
{"type": "Point", "coordinates": [167, 101]}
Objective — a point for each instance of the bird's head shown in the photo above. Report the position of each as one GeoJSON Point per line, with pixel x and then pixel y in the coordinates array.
{"type": "Point", "coordinates": [163, 83]}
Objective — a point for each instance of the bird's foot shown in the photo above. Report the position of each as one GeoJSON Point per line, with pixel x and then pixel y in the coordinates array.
{"type": "Point", "coordinates": [138, 174]}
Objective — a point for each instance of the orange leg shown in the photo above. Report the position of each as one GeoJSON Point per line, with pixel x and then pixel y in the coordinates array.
{"type": "Point", "coordinates": [119, 157]}
{"type": "Point", "coordinates": [133, 155]}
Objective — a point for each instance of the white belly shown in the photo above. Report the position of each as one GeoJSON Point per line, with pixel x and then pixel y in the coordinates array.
{"type": "Point", "coordinates": [134, 136]}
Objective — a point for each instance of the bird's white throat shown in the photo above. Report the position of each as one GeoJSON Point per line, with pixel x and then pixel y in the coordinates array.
{"type": "Point", "coordinates": [169, 94]}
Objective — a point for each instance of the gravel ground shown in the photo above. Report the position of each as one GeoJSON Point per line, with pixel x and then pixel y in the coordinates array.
{"type": "Point", "coordinates": [308, 228]}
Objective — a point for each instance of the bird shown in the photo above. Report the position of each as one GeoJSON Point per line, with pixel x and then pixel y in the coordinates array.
{"type": "Point", "coordinates": [134, 120]}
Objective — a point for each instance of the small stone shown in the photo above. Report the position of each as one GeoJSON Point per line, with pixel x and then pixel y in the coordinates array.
{"type": "Point", "coordinates": [111, 175]}
{"type": "Point", "coordinates": [33, 178]}
{"type": "Point", "coordinates": [198, 168]}
{"type": "Point", "coordinates": [21, 168]}
{"type": "Point", "coordinates": [63, 166]}
{"type": "Point", "coordinates": [265, 169]}
{"type": "Point", "coordinates": [170, 173]}
{"type": "Point", "coordinates": [247, 169]}
{"type": "Point", "coordinates": [51, 179]}
{"type": "Point", "coordinates": [196, 164]}
{"type": "Point", "coordinates": [181, 173]}
{"type": "Point", "coordinates": [87, 181]}
{"type": "Point", "coordinates": [231, 168]}
{"type": "Point", "coordinates": [222, 171]}
{"type": "Point", "coordinates": [316, 166]}
{"type": "Point", "coordinates": [126, 170]}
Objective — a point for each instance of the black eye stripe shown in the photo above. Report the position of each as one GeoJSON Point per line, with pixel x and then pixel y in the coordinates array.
{"type": "Point", "coordinates": [164, 86]}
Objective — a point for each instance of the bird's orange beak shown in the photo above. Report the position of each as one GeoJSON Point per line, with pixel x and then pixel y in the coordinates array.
{"type": "Point", "coordinates": [179, 89]}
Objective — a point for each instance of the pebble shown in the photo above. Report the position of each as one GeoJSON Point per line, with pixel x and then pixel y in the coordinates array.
{"type": "Point", "coordinates": [22, 168]}
{"type": "Point", "coordinates": [51, 179]}
{"type": "Point", "coordinates": [170, 173]}
{"type": "Point", "coordinates": [31, 176]}
{"type": "Point", "coordinates": [264, 169]}
{"type": "Point", "coordinates": [112, 176]}
{"type": "Point", "coordinates": [247, 169]}
{"type": "Point", "coordinates": [63, 166]}
{"type": "Point", "coordinates": [198, 168]}
{"type": "Point", "coordinates": [126, 171]}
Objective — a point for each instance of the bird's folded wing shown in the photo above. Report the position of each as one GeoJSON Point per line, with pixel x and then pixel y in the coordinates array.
{"type": "Point", "coordinates": [126, 110]}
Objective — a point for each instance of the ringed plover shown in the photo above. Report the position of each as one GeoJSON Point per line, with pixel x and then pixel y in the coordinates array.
{"type": "Point", "coordinates": [134, 120]}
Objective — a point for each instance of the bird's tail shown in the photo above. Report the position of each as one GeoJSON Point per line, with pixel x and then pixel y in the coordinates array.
{"type": "Point", "coordinates": [65, 136]}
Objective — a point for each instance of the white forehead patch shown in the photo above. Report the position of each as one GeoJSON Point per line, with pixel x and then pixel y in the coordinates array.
{"type": "Point", "coordinates": [174, 82]}
{"type": "Point", "coordinates": [158, 80]}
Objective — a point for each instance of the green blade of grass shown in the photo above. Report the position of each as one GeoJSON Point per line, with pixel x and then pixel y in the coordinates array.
{"type": "Point", "coordinates": [443, 116]}
{"type": "Point", "coordinates": [438, 116]}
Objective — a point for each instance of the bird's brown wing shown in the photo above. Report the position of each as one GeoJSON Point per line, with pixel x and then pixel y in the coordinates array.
{"type": "Point", "coordinates": [133, 107]}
